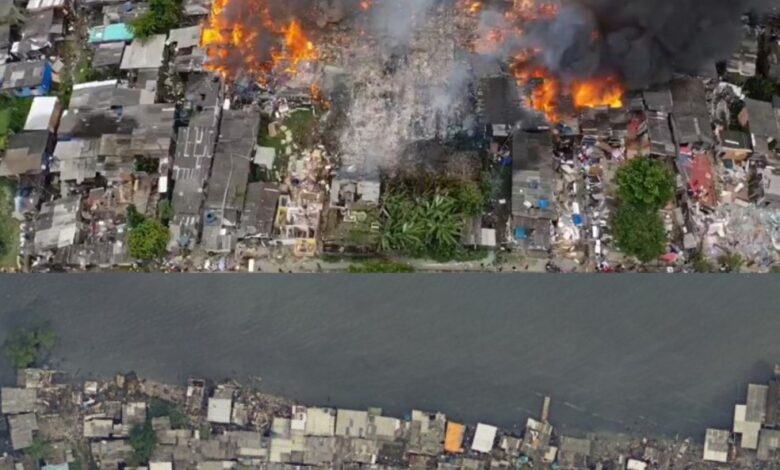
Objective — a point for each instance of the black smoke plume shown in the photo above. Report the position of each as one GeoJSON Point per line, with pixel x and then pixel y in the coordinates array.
{"type": "Point", "coordinates": [643, 41]}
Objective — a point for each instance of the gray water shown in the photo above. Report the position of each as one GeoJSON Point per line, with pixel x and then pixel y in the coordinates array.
{"type": "Point", "coordinates": [653, 354]}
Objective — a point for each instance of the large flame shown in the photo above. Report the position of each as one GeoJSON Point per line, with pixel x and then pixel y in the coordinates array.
{"type": "Point", "coordinates": [231, 43]}
{"type": "Point", "coordinates": [597, 92]}
{"type": "Point", "coordinates": [545, 87]}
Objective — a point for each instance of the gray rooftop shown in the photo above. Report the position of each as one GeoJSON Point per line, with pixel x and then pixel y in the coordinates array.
{"type": "Point", "coordinates": [107, 94]}
{"type": "Point", "coordinates": [57, 223]}
{"type": "Point", "coordinates": [22, 427]}
{"type": "Point", "coordinates": [755, 411]}
{"type": "Point", "coordinates": [691, 115]}
{"type": "Point", "coordinates": [257, 219]}
{"type": "Point", "coordinates": [76, 160]}
{"type": "Point", "coordinates": [230, 170]}
{"type": "Point", "coordinates": [18, 400]}
{"type": "Point", "coordinates": [144, 54]}
{"type": "Point", "coordinates": [184, 37]}
{"type": "Point", "coordinates": [658, 100]}
{"type": "Point", "coordinates": [660, 134]}
{"type": "Point", "coordinates": [762, 119]}
{"type": "Point", "coordinates": [24, 153]}
{"type": "Point", "coordinates": [108, 54]}
{"type": "Point", "coordinates": [23, 74]}
{"type": "Point", "coordinates": [532, 174]}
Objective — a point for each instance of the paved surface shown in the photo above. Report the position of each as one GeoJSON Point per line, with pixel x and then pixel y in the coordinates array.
{"type": "Point", "coordinates": [655, 353]}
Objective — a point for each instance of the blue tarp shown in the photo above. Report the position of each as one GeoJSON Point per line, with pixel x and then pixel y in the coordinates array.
{"type": "Point", "coordinates": [543, 203]}
{"type": "Point", "coordinates": [520, 234]}
{"type": "Point", "coordinates": [577, 219]}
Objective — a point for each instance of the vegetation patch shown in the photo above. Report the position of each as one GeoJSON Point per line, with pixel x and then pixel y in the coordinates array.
{"type": "Point", "coordinates": [148, 240]}
{"type": "Point", "coordinates": [162, 16]}
{"type": "Point", "coordinates": [143, 440]}
{"type": "Point", "coordinates": [9, 227]}
{"type": "Point", "coordinates": [644, 186]}
{"type": "Point", "coordinates": [27, 348]}
{"type": "Point", "coordinates": [380, 266]}
{"type": "Point", "coordinates": [161, 408]}
{"type": "Point", "coordinates": [427, 219]}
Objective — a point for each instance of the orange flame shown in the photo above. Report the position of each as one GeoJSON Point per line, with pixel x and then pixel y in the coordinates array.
{"type": "Point", "coordinates": [223, 39]}
{"type": "Point", "coordinates": [545, 90]}
{"type": "Point", "coordinates": [597, 92]}
{"type": "Point", "coordinates": [297, 49]}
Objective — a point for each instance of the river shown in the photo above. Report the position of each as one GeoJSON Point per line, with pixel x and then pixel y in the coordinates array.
{"type": "Point", "coordinates": [647, 353]}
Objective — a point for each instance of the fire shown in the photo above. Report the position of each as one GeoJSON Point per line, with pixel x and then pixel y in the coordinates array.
{"type": "Point", "coordinates": [597, 92]}
{"type": "Point", "coordinates": [297, 49]}
{"type": "Point", "coordinates": [545, 90]}
{"type": "Point", "coordinates": [231, 45]}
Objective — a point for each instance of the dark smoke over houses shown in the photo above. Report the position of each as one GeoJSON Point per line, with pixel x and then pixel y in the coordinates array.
{"type": "Point", "coordinates": [644, 41]}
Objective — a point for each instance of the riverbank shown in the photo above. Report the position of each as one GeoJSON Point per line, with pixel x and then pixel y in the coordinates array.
{"type": "Point", "coordinates": [649, 354]}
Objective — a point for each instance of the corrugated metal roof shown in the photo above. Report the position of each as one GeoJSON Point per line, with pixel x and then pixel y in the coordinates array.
{"type": "Point", "coordinates": [111, 33]}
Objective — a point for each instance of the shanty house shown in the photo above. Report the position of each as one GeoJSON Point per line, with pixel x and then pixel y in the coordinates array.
{"type": "Point", "coordinates": [144, 54]}
{"type": "Point", "coordinates": [32, 78]}
{"type": "Point", "coordinates": [532, 190]}
{"type": "Point", "coordinates": [761, 119]}
{"type": "Point", "coordinates": [743, 61]}
{"type": "Point", "coordinates": [500, 104]}
{"type": "Point", "coordinates": [716, 446]}
{"type": "Point", "coordinates": [691, 120]}
{"type": "Point", "coordinates": [735, 145]}
{"type": "Point", "coordinates": [257, 218]}
{"type": "Point", "coordinates": [57, 225]}
{"type": "Point", "coordinates": [229, 178]}
{"type": "Point", "coordinates": [117, 32]}
{"type": "Point", "coordinates": [660, 134]}
{"type": "Point", "coordinates": [108, 55]}
{"type": "Point", "coordinates": [573, 453]}
{"type": "Point", "coordinates": [26, 154]}
{"type": "Point", "coordinates": [17, 400]}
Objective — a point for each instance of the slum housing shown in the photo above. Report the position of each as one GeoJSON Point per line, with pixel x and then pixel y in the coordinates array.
{"type": "Point", "coordinates": [151, 129]}
{"type": "Point", "coordinates": [228, 425]}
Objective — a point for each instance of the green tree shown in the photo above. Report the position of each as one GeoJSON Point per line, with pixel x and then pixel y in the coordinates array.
{"type": "Point", "coordinates": [19, 109]}
{"type": "Point", "coordinates": [143, 440]}
{"type": "Point", "coordinates": [24, 348]}
{"type": "Point", "coordinates": [644, 183]}
{"type": "Point", "coordinates": [639, 232]}
{"type": "Point", "coordinates": [761, 88]}
{"type": "Point", "coordinates": [162, 16]}
{"type": "Point", "coordinates": [470, 198]}
{"type": "Point", "coordinates": [160, 408]}
{"type": "Point", "coordinates": [149, 240]}
{"type": "Point", "coordinates": [134, 218]}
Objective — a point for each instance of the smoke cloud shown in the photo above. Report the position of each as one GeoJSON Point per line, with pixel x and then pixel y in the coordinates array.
{"type": "Point", "coordinates": [644, 41]}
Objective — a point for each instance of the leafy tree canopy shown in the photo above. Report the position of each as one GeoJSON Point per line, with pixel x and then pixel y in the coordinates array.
{"type": "Point", "coordinates": [25, 347]}
{"type": "Point", "coordinates": [148, 240]}
{"type": "Point", "coordinates": [639, 232]}
{"type": "Point", "coordinates": [761, 88]}
{"type": "Point", "coordinates": [162, 16]}
{"type": "Point", "coordinates": [143, 440]}
{"type": "Point", "coordinates": [644, 183]}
